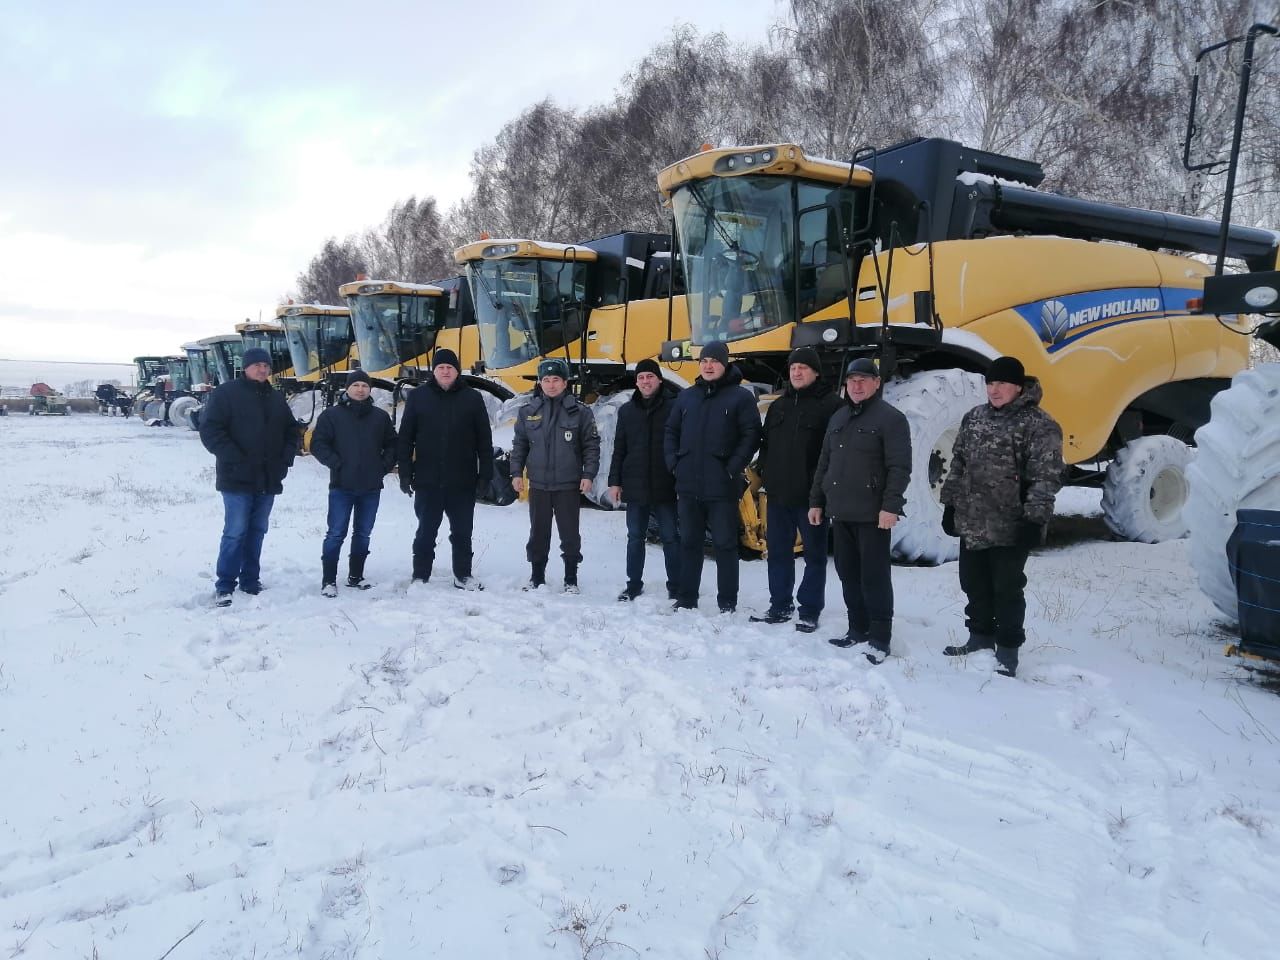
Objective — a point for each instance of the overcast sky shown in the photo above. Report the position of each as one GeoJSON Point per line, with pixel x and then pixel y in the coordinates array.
{"type": "Point", "coordinates": [169, 170]}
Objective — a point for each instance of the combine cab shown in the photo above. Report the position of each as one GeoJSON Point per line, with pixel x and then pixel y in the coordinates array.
{"type": "Point", "coordinates": [269, 335]}
{"type": "Point", "coordinates": [321, 347]}
{"type": "Point", "coordinates": [152, 374]}
{"type": "Point", "coordinates": [937, 258]}
{"type": "Point", "coordinates": [199, 377]}
{"type": "Point", "coordinates": [225, 351]}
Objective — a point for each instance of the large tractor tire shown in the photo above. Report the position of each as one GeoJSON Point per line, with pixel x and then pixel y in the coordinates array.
{"type": "Point", "coordinates": [934, 403]}
{"type": "Point", "coordinates": [180, 412]}
{"type": "Point", "coordinates": [1237, 466]}
{"type": "Point", "coordinates": [1144, 496]}
{"type": "Point", "coordinates": [153, 410]}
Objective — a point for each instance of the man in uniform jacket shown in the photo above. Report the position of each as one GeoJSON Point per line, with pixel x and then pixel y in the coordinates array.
{"type": "Point", "coordinates": [711, 436]}
{"type": "Point", "coordinates": [556, 440]}
{"type": "Point", "coordinates": [248, 427]}
{"type": "Point", "coordinates": [1006, 469]}
{"type": "Point", "coordinates": [445, 452]}
{"type": "Point", "coordinates": [638, 475]}
{"type": "Point", "coordinates": [861, 484]}
{"type": "Point", "coordinates": [793, 431]}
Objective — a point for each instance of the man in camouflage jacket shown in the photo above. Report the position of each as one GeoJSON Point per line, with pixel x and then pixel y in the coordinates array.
{"type": "Point", "coordinates": [1006, 469]}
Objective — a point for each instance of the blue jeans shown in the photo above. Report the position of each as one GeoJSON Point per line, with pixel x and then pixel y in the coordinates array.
{"type": "Point", "coordinates": [780, 538]}
{"type": "Point", "coordinates": [341, 505]}
{"type": "Point", "coordinates": [664, 515]}
{"type": "Point", "coordinates": [697, 518]}
{"type": "Point", "coordinates": [244, 524]}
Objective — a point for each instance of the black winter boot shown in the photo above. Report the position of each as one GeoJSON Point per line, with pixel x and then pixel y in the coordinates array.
{"type": "Point", "coordinates": [570, 577]}
{"type": "Point", "coordinates": [329, 576]}
{"type": "Point", "coordinates": [976, 642]}
{"type": "Point", "coordinates": [878, 639]}
{"type": "Point", "coordinates": [1007, 661]}
{"type": "Point", "coordinates": [538, 577]}
{"type": "Point", "coordinates": [355, 572]}
{"type": "Point", "coordinates": [854, 636]}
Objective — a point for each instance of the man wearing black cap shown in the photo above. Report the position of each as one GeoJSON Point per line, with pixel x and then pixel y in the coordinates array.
{"type": "Point", "coordinates": [793, 431]}
{"type": "Point", "coordinates": [860, 484]}
{"type": "Point", "coordinates": [357, 442]}
{"type": "Point", "coordinates": [638, 475]}
{"type": "Point", "coordinates": [251, 432]}
{"type": "Point", "coordinates": [445, 453]}
{"type": "Point", "coordinates": [712, 434]}
{"type": "Point", "coordinates": [1006, 470]}
{"type": "Point", "coordinates": [556, 440]}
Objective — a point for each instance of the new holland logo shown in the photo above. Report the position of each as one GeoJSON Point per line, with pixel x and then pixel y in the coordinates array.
{"type": "Point", "coordinates": [1055, 318]}
{"type": "Point", "coordinates": [1063, 320]}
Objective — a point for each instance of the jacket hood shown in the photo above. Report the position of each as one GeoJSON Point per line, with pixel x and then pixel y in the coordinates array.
{"type": "Point", "coordinates": [667, 391]}
{"type": "Point", "coordinates": [732, 377]}
{"type": "Point", "coordinates": [1031, 395]}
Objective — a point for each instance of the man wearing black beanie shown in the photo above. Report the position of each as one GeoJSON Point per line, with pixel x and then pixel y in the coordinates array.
{"type": "Point", "coordinates": [1006, 470]}
{"type": "Point", "coordinates": [793, 429]}
{"type": "Point", "coordinates": [357, 442]}
{"type": "Point", "coordinates": [445, 453]}
{"type": "Point", "coordinates": [638, 475]}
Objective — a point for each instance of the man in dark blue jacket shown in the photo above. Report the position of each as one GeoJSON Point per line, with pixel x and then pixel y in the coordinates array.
{"type": "Point", "coordinates": [446, 450]}
{"type": "Point", "coordinates": [638, 476]}
{"type": "Point", "coordinates": [712, 433]}
{"type": "Point", "coordinates": [357, 442]}
{"type": "Point", "coordinates": [248, 427]}
{"type": "Point", "coordinates": [793, 431]}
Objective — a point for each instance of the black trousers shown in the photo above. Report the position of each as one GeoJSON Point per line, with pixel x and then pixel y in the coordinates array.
{"type": "Point", "coordinates": [564, 506]}
{"type": "Point", "coordinates": [431, 504]}
{"type": "Point", "coordinates": [993, 582]}
{"type": "Point", "coordinates": [720, 518]}
{"type": "Point", "coordinates": [862, 563]}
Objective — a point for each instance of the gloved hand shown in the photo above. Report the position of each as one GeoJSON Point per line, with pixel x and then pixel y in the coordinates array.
{"type": "Point", "coordinates": [949, 521]}
{"type": "Point", "coordinates": [406, 486]}
{"type": "Point", "coordinates": [1030, 534]}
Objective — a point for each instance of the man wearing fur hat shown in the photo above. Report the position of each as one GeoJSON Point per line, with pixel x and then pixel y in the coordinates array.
{"type": "Point", "coordinates": [639, 476]}
{"type": "Point", "coordinates": [445, 455]}
{"type": "Point", "coordinates": [357, 442]}
{"type": "Point", "coordinates": [793, 431]}
{"type": "Point", "coordinates": [1006, 469]}
{"type": "Point", "coordinates": [711, 436]}
{"type": "Point", "coordinates": [248, 427]}
{"type": "Point", "coordinates": [556, 440]}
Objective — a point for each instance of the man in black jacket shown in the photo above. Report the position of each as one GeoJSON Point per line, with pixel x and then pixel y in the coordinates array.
{"type": "Point", "coordinates": [556, 440]}
{"type": "Point", "coordinates": [248, 427]}
{"type": "Point", "coordinates": [861, 485]}
{"type": "Point", "coordinates": [357, 442]}
{"type": "Point", "coordinates": [712, 434]}
{"type": "Point", "coordinates": [446, 451]}
{"type": "Point", "coordinates": [793, 431]}
{"type": "Point", "coordinates": [638, 475]}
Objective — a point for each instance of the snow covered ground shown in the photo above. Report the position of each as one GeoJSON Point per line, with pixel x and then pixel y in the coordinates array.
{"type": "Point", "coordinates": [399, 774]}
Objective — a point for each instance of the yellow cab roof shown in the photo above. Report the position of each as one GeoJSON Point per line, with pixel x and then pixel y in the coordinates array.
{"type": "Point", "coordinates": [770, 159]}
{"type": "Point", "coordinates": [260, 326]}
{"type": "Point", "coordinates": [310, 309]}
{"type": "Point", "coordinates": [368, 288]}
{"type": "Point", "coordinates": [525, 249]}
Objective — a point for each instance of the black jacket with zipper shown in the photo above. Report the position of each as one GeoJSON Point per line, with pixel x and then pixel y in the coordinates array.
{"type": "Point", "coordinates": [865, 463]}
{"type": "Point", "coordinates": [793, 430]}
{"type": "Point", "coordinates": [357, 442]}
{"type": "Point", "coordinates": [638, 465]}
{"type": "Point", "coordinates": [249, 428]}
{"type": "Point", "coordinates": [445, 439]}
{"type": "Point", "coordinates": [712, 434]}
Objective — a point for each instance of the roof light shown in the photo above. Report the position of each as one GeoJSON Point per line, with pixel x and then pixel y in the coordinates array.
{"type": "Point", "coordinates": [1262, 296]}
{"type": "Point", "coordinates": [766, 156]}
{"type": "Point", "coordinates": [730, 163]}
{"type": "Point", "coordinates": [371, 288]}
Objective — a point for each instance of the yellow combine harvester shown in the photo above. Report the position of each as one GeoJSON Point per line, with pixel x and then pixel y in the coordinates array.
{"type": "Point", "coordinates": [321, 347]}
{"type": "Point", "coordinates": [601, 306]}
{"type": "Point", "coordinates": [937, 258]}
{"type": "Point", "coordinates": [269, 335]}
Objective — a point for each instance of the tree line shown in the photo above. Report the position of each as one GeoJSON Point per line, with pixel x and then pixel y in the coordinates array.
{"type": "Point", "coordinates": [1096, 91]}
